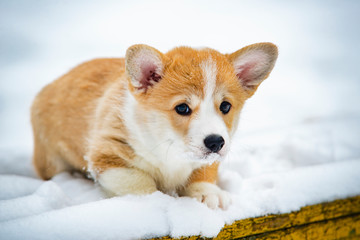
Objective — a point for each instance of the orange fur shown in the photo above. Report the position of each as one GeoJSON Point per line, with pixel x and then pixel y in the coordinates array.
{"type": "Point", "coordinates": [205, 174]}
{"type": "Point", "coordinates": [61, 113]}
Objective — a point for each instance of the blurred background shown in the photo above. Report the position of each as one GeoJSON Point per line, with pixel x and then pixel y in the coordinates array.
{"type": "Point", "coordinates": [315, 80]}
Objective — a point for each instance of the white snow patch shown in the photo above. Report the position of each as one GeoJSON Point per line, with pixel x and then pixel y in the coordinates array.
{"type": "Point", "coordinates": [49, 212]}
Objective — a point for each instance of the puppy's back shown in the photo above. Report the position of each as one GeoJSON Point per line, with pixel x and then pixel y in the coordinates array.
{"type": "Point", "coordinates": [63, 111]}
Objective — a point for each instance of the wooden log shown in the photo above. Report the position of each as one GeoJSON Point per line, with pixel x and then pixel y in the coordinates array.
{"type": "Point", "coordinates": [339, 219]}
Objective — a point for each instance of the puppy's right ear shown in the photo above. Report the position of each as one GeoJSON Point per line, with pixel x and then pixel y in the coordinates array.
{"type": "Point", "coordinates": [253, 64]}
{"type": "Point", "coordinates": [144, 66]}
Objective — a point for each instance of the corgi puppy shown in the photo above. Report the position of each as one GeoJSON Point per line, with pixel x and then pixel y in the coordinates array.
{"type": "Point", "coordinates": [151, 121]}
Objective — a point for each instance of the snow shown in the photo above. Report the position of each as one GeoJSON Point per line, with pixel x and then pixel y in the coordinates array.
{"type": "Point", "coordinates": [55, 209]}
{"type": "Point", "coordinates": [298, 142]}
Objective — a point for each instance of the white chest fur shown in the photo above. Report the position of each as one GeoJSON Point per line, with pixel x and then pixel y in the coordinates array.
{"type": "Point", "coordinates": [160, 151]}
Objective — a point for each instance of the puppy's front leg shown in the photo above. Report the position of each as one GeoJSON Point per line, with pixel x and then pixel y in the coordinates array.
{"type": "Point", "coordinates": [123, 180]}
{"type": "Point", "coordinates": [202, 187]}
{"type": "Point", "coordinates": [107, 161]}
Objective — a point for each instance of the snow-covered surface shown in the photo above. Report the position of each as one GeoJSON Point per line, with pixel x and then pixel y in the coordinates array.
{"type": "Point", "coordinates": [299, 137]}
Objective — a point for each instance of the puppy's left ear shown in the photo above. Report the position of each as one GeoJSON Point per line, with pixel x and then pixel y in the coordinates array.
{"type": "Point", "coordinates": [144, 66]}
{"type": "Point", "coordinates": [253, 64]}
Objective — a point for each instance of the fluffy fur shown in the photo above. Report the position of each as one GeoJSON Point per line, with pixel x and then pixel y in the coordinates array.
{"type": "Point", "coordinates": [116, 118]}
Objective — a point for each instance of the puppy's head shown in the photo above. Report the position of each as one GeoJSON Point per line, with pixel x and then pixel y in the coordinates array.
{"type": "Point", "coordinates": [192, 98]}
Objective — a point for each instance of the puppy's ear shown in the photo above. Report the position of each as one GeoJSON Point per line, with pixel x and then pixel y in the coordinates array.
{"type": "Point", "coordinates": [144, 66]}
{"type": "Point", "coordinates": [253, 64]}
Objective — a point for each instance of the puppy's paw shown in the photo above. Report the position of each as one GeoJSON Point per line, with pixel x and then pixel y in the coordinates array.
{"type": "Point", "coordinates": [210, 194]}
{"type": "Point", "coordinates": [122, 181]}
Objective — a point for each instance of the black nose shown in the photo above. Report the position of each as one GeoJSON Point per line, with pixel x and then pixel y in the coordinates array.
{"type": "Point", "coordinates": [214, 142]}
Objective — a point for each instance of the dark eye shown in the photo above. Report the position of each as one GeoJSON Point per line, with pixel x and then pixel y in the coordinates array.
{"type": "Point", "coordinates": [225, 107]}
{"type": "Point", "coordinates": [183, 109]}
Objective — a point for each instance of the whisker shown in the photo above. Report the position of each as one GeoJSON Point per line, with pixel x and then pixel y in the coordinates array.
{"type": "Point", "coordinates": [167, 151]}
{"type": "Point", "coordinates": [160, 144]}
